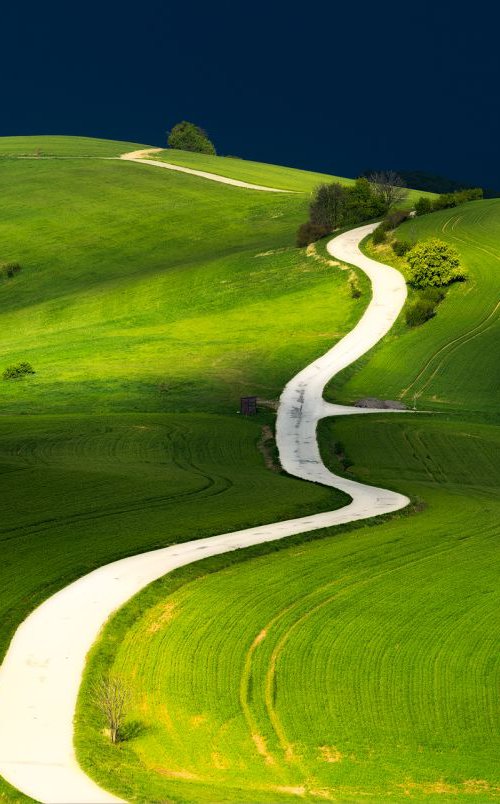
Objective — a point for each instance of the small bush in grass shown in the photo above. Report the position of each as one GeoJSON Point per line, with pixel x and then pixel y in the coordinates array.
{"type": "Point", "coordinates": [310, 232]}
{"type": "Point", "coordinates": [354, 285]}
{"type": "Point", "coordinates": [394, 218]}
{"type": "Point", "coordinates": [18, 371]}
{"type": "Point", "coordinates": [419, 312]}
{"type": "Point", "coordinates": [445, 201]}
{"type": "Point", "coordinates": [401, 247]}
{"type": "Point", "coordinates": [434, 295]}
{"type": "Point", "coordinates": [379, 235]}
{"type": "Point", "coordinates": [424, 307]}
{"type": "Point", "coordinates": [10, 269]}
{"type": "Point", "coordinates": [433, 263]}
{"type": "Point", "coordinates": [423, 205]}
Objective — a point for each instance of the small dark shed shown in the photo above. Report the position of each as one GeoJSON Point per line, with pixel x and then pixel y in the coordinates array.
{"type": "Point", "coordinates": [248, 405]}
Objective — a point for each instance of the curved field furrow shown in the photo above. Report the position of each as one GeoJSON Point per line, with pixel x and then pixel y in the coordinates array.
{"type": "Point", "coordinates": [450, 348]}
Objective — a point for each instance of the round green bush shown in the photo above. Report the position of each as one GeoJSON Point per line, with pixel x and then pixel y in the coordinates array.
{"type": "Point", "coordinates": [401, 247]}
{"type": "Point", "coordinates": [433, 263]}
{"type": "Point", "coordinates": [379, 235]}
{"type": "Point", "coordinates": [423, 205]}
{"type": "Point", "coordinates": [18, 371]}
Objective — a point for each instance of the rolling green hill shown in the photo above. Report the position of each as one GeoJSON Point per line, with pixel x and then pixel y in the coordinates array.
{"type": "Point", "coordinates": [143, 293]}
{"type": "Point", "coordinates": [148, 302]}
{"type": "Point", "coordinates": [362, 666]}
{"type": "Point", "coordinates": [143, 289]}
{"type": "Point", "coordinates": [284, 178]}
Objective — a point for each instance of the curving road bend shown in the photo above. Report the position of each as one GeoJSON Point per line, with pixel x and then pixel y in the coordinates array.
{"type": "Point", "coordinates": [41, 674]}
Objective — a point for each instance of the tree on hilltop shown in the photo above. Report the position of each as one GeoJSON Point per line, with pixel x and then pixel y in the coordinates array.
{"type": "Point", "coordinates": [186, 136]}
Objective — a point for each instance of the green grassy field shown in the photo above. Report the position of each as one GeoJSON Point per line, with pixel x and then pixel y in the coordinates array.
{"type": "Point", "coordinates": [44, 145]}
{"type": "Point", "coordinates": [359, 667]}
{"type": "Point", "coordinates": [148, 301]}
{"type": "Point", "coordinates": [284, 178]}
{"type": "Point", "coordinates": [143, 289]}
{"type": "Point", "coordinates": [450, 363]}
{"type": "Point", "coordinates": [144, 292]}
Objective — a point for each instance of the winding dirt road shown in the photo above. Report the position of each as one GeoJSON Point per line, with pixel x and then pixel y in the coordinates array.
{"type": "Point", "coordinates": [41, 673]}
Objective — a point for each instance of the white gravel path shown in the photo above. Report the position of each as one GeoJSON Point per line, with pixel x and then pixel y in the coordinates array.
{"type": "Point", "coordinates": [143, 158]}
{"type": "Point", "coordinates": [40, 677]}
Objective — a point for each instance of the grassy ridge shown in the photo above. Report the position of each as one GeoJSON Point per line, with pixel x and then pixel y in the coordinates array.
{"type": "Point", "coordinates": [47, 145]}
{"type": "Point", "coordinates": [283, 178]}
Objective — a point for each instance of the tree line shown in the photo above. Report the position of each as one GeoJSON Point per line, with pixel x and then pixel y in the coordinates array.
{"type": "Point", "coordinates": [425, 205]}
{"type": "Point", "coordinates": [336, 205]}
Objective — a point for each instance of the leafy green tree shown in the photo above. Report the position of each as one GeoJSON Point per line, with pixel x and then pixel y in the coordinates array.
{"type": "Point", "coordinates": [433, 263]}
{"type": "Point", "coordinates": [362, 203]}
{"type": "Point", "coordinates": [188, 137]}
{"type": "Point", "coordinates": [328, 204]}
{"type": "Point", "coordinates": [445, 201]}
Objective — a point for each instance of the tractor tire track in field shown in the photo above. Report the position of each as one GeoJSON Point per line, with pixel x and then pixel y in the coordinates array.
{"type": "Point", "coordinates": [303, 608]}
{"type": "Point", "coordinates": [42, 670]}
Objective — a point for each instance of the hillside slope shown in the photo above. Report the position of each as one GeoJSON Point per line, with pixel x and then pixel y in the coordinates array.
{"type": "Point", "coordinates": [368, 667]}
{"type": "Point", "coordinates": [143, 293]}
{"type": "Point", "coordinates": [450, 363]}
{"type": "Point", "coordinates": [285, 178]}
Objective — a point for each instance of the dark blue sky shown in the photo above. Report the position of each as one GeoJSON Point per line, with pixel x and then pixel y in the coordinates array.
{"type": "Point", "coordinates": [330, 86]}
